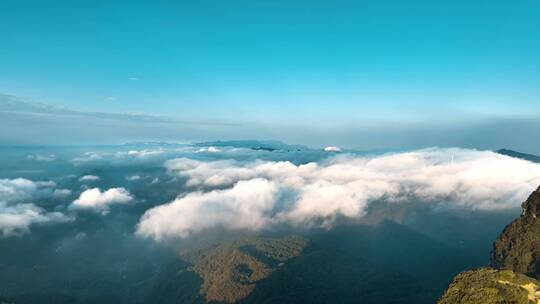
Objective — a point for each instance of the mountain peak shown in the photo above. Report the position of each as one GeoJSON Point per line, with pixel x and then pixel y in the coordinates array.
{"type": "Point", "coordinates": [531, 207]}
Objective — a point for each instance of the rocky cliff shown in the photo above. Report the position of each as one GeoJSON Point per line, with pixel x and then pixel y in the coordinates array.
{"type": "Point", "coordinates": [518, 246]}
{"type": "Point", "coordinates": [515, 259]}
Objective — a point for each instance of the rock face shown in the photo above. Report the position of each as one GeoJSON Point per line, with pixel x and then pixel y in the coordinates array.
{"type": "Point", "coordinates": [516, 259]}
{"type": "Point", "coordinates": [487, 286]}
{"type": "Point", "coordinates": [518, 247]}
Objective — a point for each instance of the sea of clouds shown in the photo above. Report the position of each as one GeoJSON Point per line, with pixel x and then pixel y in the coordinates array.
{"type": "Point", "coordinates": [246, 189]}
{"type": "Point", "coordinates": [257, 194]}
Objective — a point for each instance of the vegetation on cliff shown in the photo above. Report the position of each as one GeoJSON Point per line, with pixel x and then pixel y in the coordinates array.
{"type": "Point", "coordinates": [516, 259]}
{"type": "Point", "coordinates": [518, 246]}
{"type": "Point", "coordinates": [490, 286]}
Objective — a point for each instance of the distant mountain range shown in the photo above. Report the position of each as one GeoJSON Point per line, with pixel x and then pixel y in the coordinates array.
{"type": "Point", "coordinates": [525, 156]}
{"type": "Point", "coordinates": [266, 145]}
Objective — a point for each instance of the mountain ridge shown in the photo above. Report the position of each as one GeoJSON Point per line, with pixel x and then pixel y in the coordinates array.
{"type": "Point", "coordinates": [525, 156]}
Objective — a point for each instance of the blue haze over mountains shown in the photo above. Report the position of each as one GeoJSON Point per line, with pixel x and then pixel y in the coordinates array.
{"type": "Point", "coordinates": [46, 124]}
{"type": "Point", "coordinates": [100, 255]}
{"type": "Point", "coordinates": [269, 151]}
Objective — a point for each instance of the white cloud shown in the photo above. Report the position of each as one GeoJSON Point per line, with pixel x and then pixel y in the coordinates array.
{"type": "Point", "coordinates": [245, 206]}
{"type": "Point", "coordinates": [17, 213]}
{"type": "Point", "coordinates": [89, 178]}
{"type": "Point", "coordinates": [23, 190]}
{"type": "Point", "coordinates": [342, 185]}
{"type": "Point", "coordinates": [145, 153]}
{"type": "Point", "coordinates": [91, 156]}
{"type": "Point", "coordinates": [17, 219]}
{"type": "Point", "coordinates": [133, 177]}
{"type": "Point", "coordinates": [50, 157]}
{"type": "Point", "coordinates": [95, 199]}
{"type": "Point", "coordinates": [209, 149]}
{"type": "Point", "coordinates": [121, 156]}
{"type": "Point", "coordinates": [18, 189]}
{"type": "Point", "coordinates": [332, 149]}
{"type": "Point", "coordinates": [223, 172]}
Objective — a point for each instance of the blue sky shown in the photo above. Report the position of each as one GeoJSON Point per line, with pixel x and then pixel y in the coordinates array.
{"type": "Point", "coordinates": [333, 65]}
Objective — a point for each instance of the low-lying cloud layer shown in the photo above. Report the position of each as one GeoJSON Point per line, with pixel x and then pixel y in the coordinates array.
{"type": "Point", "coordinates": [18, 213]}
{"type": "Point", "coordinates": [16, 219]}
{"type": "Point", "coordinates": [242, 207]}
{"type": "Point", "coordinates": [21, 189]}
{"type": "Point", "coordinates": [256, 194]}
